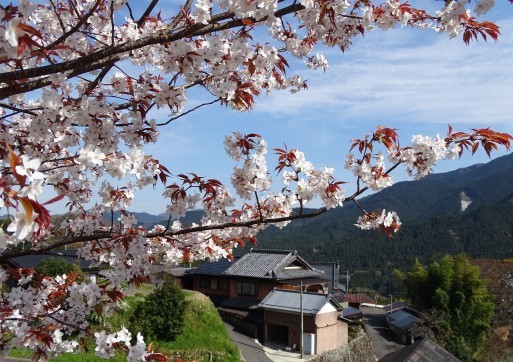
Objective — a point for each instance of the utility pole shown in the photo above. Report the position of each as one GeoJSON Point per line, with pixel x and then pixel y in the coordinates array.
{"type": "Point", "coordinates": [347, 281]}
{"type": "Point", "coordinates": [301, 308]}
{"type": "Point", "coordinates": [390, 312]}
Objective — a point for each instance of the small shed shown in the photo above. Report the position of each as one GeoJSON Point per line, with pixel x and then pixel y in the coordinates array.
{"type": "Point", "coordinates": [352, 314]}
{"type": "Point", "coordinates": [403, 326]}
{"type": "Point", "coordinates": [282, 319]}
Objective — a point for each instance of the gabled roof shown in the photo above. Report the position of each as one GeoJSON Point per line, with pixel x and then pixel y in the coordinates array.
{"type": "Point", "coordinates": [272, 264]}
{"type": "Point", "coordinates": [421, 351]}
{"type": "Point", "coordinates": [290, 301]}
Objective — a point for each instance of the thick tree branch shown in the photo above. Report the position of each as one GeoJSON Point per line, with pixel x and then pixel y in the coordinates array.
{"type": "Point", "coordinates": [106, 234]}
{"type": "Point", "coordinates": [110, 234]}
{"type": "Point", "coordinates": [100, 58]}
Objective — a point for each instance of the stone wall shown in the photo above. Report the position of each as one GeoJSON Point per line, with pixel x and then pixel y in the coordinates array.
{"type": "Point", "coordinates": [358, 350]}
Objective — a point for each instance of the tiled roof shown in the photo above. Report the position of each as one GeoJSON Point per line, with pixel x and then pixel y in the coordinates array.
{"type": "Point", "coordinates": [290, 301]}
{"type": "Point", "coordinates": [239, 303]}
{"type": "Point", "coordinates": [211, 267]}
{"type": "Point", "coordinates": [421, 351]}
{"type": "Point", "coordinates": [272, 264]}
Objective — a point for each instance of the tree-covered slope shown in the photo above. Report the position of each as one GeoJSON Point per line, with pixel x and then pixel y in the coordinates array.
{"type": "Point", "coordinates": [434, 223]}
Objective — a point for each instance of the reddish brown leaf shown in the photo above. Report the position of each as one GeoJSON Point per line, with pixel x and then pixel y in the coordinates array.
{"type": "Point", "coordinates": [249, 23]}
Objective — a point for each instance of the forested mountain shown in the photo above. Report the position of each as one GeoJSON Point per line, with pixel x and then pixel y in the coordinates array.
{"type": "Point", "coordinates": [468, 210]}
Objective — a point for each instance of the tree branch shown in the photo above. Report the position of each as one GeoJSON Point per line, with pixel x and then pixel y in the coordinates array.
{"type": "Point", "coordinates": [20, 110]}
{"type": "Point", "coordinates": [187, 112]}
{"type": "Point", "coordinates": [91, 62]}
{"type": "Point", "coordinates": [77, 26]}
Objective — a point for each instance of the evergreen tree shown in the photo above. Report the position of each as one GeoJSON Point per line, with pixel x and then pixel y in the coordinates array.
{"type": "Point", "coordinates": [161, 315]}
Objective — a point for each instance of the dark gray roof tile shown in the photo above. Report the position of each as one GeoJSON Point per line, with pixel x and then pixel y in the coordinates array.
{"type": "Point", "coordinates": [272, 264]}
{"type": "Point", "coordinates": [290, 301]}
{"type": "Point", "coordinates": [422, 351]}
{"type": "Point", "coordinates": [211, 267]}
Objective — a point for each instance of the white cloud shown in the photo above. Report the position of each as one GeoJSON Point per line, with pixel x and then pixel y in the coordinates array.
{"type": "Point", "coordinates": [392, 76]}
{"type": "Point", "coordinates": [416, 81]}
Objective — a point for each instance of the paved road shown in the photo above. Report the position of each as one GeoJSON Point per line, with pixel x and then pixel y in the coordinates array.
{"type": "Point", "coordinates": [375, 327]}
{"type": "Point", "coordinates": [250, 350]}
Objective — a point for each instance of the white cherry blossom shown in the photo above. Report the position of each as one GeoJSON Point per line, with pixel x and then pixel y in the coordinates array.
{"type": "Point", "coordinates": [82, 93]}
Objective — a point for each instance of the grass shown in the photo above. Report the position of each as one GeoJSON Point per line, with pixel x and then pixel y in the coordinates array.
{"type": "Point", "coordinates": [201, 316]}
{"type": "Point", "coordinates": [203, 335]}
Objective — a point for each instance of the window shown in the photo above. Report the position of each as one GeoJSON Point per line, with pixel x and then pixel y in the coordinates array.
{"type": "Point", "coordinates": [205, 283]}
{"type": "Point", "coordinates": [223, 284]}
{"type": "Point", "coordinates": [245, 288]}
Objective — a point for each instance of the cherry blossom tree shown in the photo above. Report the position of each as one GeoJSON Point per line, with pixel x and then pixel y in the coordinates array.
{"type": "Point", "coordinates": [80, 82]}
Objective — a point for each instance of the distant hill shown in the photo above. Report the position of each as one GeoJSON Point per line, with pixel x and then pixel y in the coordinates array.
{"type": "Point", "coordinates": [442, 194]}
{"type": "Point", "coordinates": [435, 195]}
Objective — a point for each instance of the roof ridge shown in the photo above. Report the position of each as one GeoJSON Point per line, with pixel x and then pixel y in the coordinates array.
{"type": "Point", "coordinates": [273, 251]}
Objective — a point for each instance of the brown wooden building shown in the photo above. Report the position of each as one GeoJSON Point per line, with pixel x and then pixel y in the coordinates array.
{"type": "Point", "coordinates": [244, 283]}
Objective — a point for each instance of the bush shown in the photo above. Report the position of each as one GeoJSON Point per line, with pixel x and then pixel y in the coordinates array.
{"type": "Point", "coordinates": [161, 315]}
{"type": "Point", "coordinates": [54, 266]}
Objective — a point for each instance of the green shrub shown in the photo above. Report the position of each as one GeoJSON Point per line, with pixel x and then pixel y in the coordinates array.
{"type": "Point", "coordinates": [54, 266]}
{"type": "Point", "coordinates": [161, 315]}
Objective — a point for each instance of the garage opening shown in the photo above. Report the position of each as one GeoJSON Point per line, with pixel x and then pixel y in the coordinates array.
{"type": "Point", "coordinates": [278, 334]}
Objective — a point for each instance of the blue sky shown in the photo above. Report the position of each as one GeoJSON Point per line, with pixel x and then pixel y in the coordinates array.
{"type": "Point", "coordinates": [416, 81]}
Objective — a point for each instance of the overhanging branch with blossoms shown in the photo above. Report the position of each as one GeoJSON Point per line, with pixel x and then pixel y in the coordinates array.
{"type": "Point", "coordinates": [80, 83]}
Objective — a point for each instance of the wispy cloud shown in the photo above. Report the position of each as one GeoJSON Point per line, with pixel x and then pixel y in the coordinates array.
{"type": "Point", "coordinates": [438, 81]}
{"type": "Point", "coordinates": [413, 80]}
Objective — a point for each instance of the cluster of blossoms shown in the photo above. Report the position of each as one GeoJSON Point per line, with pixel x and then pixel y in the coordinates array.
{"type": "Point", "coordinates": [424, 153]}
{"type": "Point", "coordinates": [310, 183]}
{"type": "Point", "coordinates": [375, 176]}
{"type": "Point", "coordinates": [386, 221]}
{"type": "Point", "coordinates": [80, 83]}
{"type": "Point", "coordinates": [107, 344]}
{"type": "Point", "coordinates": [253, 175]}
{"type": "Point", "coordinates": [52, 301]}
